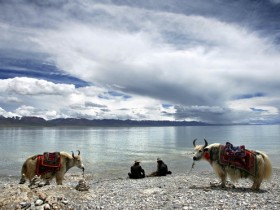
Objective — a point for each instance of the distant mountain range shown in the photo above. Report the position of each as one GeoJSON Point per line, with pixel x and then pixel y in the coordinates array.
{"type": "Point", "coordinates": [37, 121]}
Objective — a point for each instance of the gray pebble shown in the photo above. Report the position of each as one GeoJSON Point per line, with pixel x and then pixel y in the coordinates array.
{"type": "Point", "coordinates": [38, 202]}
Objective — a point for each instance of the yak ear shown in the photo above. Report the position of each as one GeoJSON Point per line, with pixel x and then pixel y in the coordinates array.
{"type": "Point", "coordinates": [205, 149]}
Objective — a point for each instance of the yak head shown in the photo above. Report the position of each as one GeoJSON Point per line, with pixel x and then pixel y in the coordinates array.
{"type": "Point", "coordinates": [77, 160]}
{"type": "Point", "coordinates": [199, 150]}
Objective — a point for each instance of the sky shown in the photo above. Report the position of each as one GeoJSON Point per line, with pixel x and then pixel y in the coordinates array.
{"type": "Point", "coordinates": [214, 61]}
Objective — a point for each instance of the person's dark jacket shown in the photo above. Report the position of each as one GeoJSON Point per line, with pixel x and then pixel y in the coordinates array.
{"type": "Point", "coordinates": [136, 172]}
{"type": "Point", "coordinates": [162, 169]}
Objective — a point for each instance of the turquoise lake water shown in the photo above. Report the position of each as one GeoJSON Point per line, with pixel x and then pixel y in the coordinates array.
{"type": "Point", "coordinates": [109, 152]}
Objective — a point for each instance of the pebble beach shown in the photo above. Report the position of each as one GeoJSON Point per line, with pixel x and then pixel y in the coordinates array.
{"type": "Point", "coordinates": [195, 190]}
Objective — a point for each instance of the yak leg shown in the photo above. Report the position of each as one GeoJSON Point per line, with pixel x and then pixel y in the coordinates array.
{"type": "Point", "coordinates": [47, 182]}
{"type": "Point", "coordinates": [22, 179]}
{"type": "Point", "coordinates": [59, 177]}
{"type": "Point", "coordinates": [256, 185]}
{"type": "Point", "coordinates": [260, 174]}
{"type": "Point", "coordinates": [58, 181]}
{"type": "Point", "coordinates": [221, 173]}
{"type": "Point", "coordinates": [23, 172]}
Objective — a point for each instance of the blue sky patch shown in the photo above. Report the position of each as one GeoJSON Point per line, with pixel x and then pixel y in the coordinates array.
{"type": "Point", "coordinates": [250, 95]}
{"type": "Point", "coordinates": [10, 68]}
{"type": "Point", "coordinates": [118, 94]}
{"type": "Point", "coordinates": [167, 106]}
{"type": "Point", "coordinates": [258, 110]}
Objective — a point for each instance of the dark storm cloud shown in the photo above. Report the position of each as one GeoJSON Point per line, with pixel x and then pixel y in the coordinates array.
{"type": "Point", "coordinates": [91, 104]}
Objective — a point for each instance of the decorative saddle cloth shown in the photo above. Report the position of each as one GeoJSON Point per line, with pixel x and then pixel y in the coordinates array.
{"type": "Point", "coordinates": [48, 162]}
{"type": "Point", "coordinates": [236, 151]}
{"type": "Point", "coordinates": [238, 157]}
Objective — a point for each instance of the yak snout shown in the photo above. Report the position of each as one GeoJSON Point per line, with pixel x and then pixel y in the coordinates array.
{"type": "Point", "coordinates": [82, 167]}
{"type": "Point", "coordinates": [195, 158]}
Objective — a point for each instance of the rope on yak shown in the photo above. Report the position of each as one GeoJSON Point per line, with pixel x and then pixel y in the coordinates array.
{"type": "Point", "coordinates": [191, 167]}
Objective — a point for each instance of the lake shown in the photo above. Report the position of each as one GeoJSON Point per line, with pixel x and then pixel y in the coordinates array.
{"type": "Point", "coordinates": [109, 152]}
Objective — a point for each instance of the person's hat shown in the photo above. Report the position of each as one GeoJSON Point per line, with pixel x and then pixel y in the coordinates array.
{"type": "Point", "coordinates": [137, 161]}
{"type": "Point", "coordinates": [159, 160]}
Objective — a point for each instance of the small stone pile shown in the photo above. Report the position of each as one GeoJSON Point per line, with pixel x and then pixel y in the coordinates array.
{"type": "Point", "coordinates": [82, 185]}
{"type": "Point", "coordinates": [45, 202]}
{"type": "Point", "coordinates": [37, 182]}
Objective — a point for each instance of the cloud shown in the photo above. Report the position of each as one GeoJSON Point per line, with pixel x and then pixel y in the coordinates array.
{"type": "Point", "coordinates": [4, 113]}
{"type": "Point", "coordinates": [256, 109]}
{"type": "Point", "coordinates": [137, 57]}
{"type": "Point", "coordinates": [144, 62]}
{"type": "Point", "coordinates": [91, 104]}
{"type": "Point", "coordinates": [34, 97]}
{"type": "Point", "coordinates": [202, 113]}
{"type": "Point", "coordinates": [30, 86]}
{"type": "Point", "coordinates": [275, 1]}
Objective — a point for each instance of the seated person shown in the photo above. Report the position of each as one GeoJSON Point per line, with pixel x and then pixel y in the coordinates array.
{"type": "Point", "coordinates": [162, 169]}
{"type": "Point", "coordinates": [136, 171]}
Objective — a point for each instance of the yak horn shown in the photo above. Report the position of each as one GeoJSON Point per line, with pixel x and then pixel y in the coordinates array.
{"type": "Point", "coordinates": [73, 154]}
{"type": "Point", "coordinates": [206, 143]}
{"type": "Point", "coordinates": [194, 142]}
{"type": "Point", "coordinates": [79, 152]}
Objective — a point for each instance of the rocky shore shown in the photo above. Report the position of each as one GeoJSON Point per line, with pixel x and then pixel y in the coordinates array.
{"type": "Point", "coordinates": [177, 191]}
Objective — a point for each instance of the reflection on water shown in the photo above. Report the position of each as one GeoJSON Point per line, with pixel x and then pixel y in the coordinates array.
{"type": "Point", "coordinates": [109, 152]}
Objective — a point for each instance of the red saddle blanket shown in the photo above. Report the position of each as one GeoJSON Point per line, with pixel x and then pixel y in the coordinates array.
{"type": "Point", "coordinates": [246, 162]}
{"type": "Point", "coordinates": [48, 162]}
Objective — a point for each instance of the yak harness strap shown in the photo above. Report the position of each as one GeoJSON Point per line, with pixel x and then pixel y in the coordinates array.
{"type": "Point", "coordinates": [207, 156]}
{"type": "Point", "coordinates": [48, 162]}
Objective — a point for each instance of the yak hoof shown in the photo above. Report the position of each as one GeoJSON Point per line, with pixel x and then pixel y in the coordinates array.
{"type": "Point", "coordinates": [218, 184]}
{"type": "Point", "coordinates": [22, 181]}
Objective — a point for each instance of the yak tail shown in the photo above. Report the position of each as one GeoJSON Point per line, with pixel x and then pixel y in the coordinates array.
{"type": "Point", "coordinates": [267, 167]}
